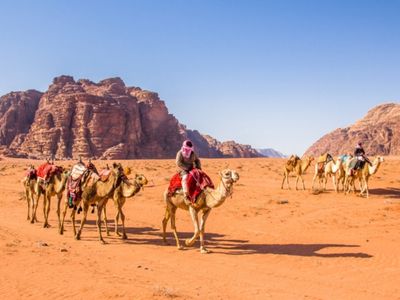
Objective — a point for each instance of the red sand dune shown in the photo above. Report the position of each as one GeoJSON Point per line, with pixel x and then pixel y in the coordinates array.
{"type": "Point", "coordinates": [325, 246]}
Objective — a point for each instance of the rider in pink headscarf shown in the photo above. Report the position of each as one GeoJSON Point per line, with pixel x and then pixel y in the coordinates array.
{"type": "Point", "coordinates": [186, 160]}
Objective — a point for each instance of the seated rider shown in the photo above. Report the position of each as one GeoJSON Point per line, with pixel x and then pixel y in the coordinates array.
{"type": "Point", "coordinates": [186, 160]}
{"type": "Point", "coordinates": [91, 166]}
{"type": "Point", "coordinates": [359, 153]}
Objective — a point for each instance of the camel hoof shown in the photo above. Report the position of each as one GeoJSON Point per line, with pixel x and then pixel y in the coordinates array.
{"type": "Point", "coordinates": [46, 225]}
{"type": "Point", "coordinates": [124, 237]}
{"type": "Point", "coordinates": [181, 247]}
{"type": "Point", "coordinates": [204, 250]}
{"type": "Point", "coordinates": [165, 242]}
{"type": "Point", "coordinates": [32, 221]}
{"type": "Point", "coordinates": [188, 243]}
{"type": "Point", "coordinates": [103, 242]}
{"type": "Point", "coordinates": [77, 237]}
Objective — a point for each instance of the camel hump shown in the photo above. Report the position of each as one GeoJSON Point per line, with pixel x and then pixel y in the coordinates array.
{"type": "Point", "coordinates": [104, 174]}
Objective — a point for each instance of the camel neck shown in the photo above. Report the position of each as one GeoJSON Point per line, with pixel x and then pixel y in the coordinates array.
{"type": "Point", "coordinates": [217, 197]}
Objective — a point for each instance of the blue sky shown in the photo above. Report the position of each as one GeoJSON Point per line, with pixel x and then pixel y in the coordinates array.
{"type": "Point", "coordinates": [267, 73]}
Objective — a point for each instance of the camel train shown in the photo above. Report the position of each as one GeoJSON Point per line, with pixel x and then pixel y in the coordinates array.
{"type": "Point", "coordinates": [85, 187]}
{"type": "Point", "coordinates": [341, 170]}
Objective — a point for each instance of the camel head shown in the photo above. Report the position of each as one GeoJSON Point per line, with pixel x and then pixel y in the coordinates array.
{"type": "Point", "coordinates": [378, 159]}
{"type": "Point", "coordinates": [229, 176]}
{"type": "Point", "coordinates": [309, 160]}
{"type": "Point", "coordinates": [118, 173]}
{"type": "Point", "coordinates": [141, 180]}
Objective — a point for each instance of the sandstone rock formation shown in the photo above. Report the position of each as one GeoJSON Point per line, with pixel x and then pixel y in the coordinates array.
{"type": "Point", "coordinates": [105, 120]}
{"type": "Point", "coordinates": [17, 111]}
{"type": "Point", "coordinates": [379, 131]}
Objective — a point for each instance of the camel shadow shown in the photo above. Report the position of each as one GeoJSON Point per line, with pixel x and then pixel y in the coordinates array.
{"type": "Point", "coordinates": [388, 192]}
{"type": "Point", "coordinates": [221, 245]}
{"type": "Point", "coordinates": [308, 250]}
{"type": "Point", "coordinates": [153, 236]}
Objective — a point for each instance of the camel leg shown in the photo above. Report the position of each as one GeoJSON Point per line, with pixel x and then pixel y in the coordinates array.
{"type": "Point", "coordinates": [73, 214]}
{"type": "Point", "coordinates": [98, 221]}
{"type": "Point", "coordinates": [105, 218]}
{"type": "Point", "coordinates": [116, 222]}
{"type": "Point", "coordinates": [334, 182]}
{"type": "Point", "coordinates": [167, 215]}
{"type": "Point", "coordinates": [85, 212]}
{"type": "Point", "coordinates": [124, 236]}
{"type": "Point", "coordinates": [61, 227]}
{"type": "Point", "coordinates": [313, 181]}
{"type": "Point", "coordinates": [36, 204]}
{"type": "Point", "coordinates": [204, 217]}
{"type": "Point", "coordinates": [195, 220]}
{"type": "Point", "coordinates": [283, 181]}
{"type": "Point", "coordinates": [173, 227]}
{"type": "Point", "coordinates": [46, 210]}
{"type": "Point", "coordinates": [297, 180]}
{"type": "Point", "coordinates": [28, 201]}
{"type": "Point", "coordinates": [59, 197]}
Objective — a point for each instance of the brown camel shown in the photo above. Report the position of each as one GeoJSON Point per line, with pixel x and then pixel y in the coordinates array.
{"type": "Point", "coordinates": [363, 176]}
{"type": "Point", "coordinates": [98, 194]}
{"type": "Point", "coordinates": [29, 183]}
{"type": "Point", "coordinates": [208, 199]}
{"type": "Point", "coordinates": [125, 190]}
{"type": "Point", "coordinates": [55, 186]}
{"type": "Point", "coordinates": [297, 166]}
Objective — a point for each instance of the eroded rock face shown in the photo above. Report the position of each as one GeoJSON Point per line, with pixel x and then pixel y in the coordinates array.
{"type": "Point", "coordinates": [102, 120]}
{"type": "Point", "coordinates": [379, 131]}
{"type": "Point", "coordinates": [17, 112]}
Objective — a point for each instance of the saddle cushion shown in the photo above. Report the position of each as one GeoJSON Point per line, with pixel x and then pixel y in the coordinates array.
{"type": "Point", "coordinates": [44, 171]}
{"type": "Point", "coordinates": [77, 171]}
{"type": "Point", "coordinates": [104, 174]}
{"type": "Point", "coordinates": [197, 181]}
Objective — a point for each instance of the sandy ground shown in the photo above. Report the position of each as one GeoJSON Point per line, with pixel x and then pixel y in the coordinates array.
{"type": "Point", "coordinates": [324, 246]}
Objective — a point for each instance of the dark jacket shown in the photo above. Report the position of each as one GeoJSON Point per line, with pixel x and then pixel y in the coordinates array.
{"type": "Point", "coordinates": [187, 164]}
{"type": "Point", "coordinates": [359, 151]}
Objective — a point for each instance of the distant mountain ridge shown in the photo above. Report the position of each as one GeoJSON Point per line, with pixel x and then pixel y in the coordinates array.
{"type": "Point", "coordinates": [379, 131]}
{"type": "Point", "coordinates": [269, 152]}
{"type": "Point", "coordinates": [104, 120]}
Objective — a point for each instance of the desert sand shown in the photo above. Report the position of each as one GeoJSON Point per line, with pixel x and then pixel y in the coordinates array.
{"type": "Point", "coordinates": [265, 242]}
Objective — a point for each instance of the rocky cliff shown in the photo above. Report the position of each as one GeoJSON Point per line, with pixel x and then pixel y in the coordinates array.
{"type": "Point", "coordinates": [105, 120]}
{"type": "Point", "coordinates": [379, 131]}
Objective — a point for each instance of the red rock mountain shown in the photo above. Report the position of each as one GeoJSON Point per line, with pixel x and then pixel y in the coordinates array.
{"type": "Point", "coordinates": [379, 131]}
{"type": "Point", "coordinates": [106, 120]}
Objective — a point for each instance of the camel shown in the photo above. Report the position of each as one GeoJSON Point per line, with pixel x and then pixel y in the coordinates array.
{"type": "Point", "coordinates": [299, 166]}
{"type": "Point", "coordinates": [363, 176]}
{"type": "Point", "coordinates": [125, 190]}
{"type": "Point", "coordinates": [331, 168]}
{"type": "Point", "coordinates": [206, 201]}
{"type": "Point", "coordinates": [29, 183]}
{"type": "Point", "coordinates": [54, 187]}
{"type": "Point", "coordinates": [98, 194]}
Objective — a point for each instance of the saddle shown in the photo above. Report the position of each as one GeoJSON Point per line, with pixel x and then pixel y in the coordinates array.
{"type": "Point", "coordinates": [197, 181]}
{"type": "Point", "coordinates": [44, 170]}
{"type": "Point", "coordinates": [104, 174]}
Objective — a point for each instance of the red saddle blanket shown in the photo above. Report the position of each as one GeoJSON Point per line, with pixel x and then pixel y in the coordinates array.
{"type": "Point", "coordinates": [44, 171]}
{"type": "Point", "coordinates": [197, 181]}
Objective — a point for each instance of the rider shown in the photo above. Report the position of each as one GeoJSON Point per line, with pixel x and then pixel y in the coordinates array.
{"type": "Point", "coordinates": [359, 153]}
{"type": "Point", "coordinates": [186, 160]}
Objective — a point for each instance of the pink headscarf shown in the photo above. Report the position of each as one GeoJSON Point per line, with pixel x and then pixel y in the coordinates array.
{"type": "Point", "coordinates": [187, 148]}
